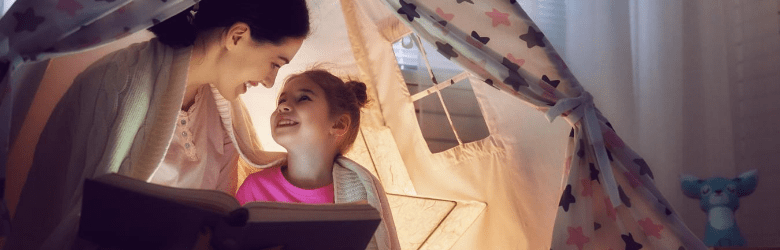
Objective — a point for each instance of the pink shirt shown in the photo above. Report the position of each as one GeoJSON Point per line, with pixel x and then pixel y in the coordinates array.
{"type": "Point", "coordinates": [270, 185]}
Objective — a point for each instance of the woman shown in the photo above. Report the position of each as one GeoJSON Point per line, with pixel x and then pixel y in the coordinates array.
{"type": "Point", "coordinates": [166, 110]}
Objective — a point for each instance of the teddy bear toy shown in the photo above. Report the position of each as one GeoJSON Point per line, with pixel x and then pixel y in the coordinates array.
{"type": "Point", "coordinates": [719, 198]}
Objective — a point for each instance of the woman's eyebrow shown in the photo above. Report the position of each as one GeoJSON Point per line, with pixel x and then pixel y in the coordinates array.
{"type": "Point", "coordinates": [286, 61]}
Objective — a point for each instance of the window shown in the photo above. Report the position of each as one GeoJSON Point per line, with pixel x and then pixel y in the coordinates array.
{"type": "Point", "coordinates": [448, 112]}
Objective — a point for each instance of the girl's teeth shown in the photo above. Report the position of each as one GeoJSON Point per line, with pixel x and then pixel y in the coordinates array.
{"type": "Point", "coordinates": [287, 122]}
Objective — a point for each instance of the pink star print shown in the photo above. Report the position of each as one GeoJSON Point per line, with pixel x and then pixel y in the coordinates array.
{"type": "Point", "coordinates": [612, 139]}
{"type": "Point", "coordinates": [632, 179]}
{"type": "Point", "coordinates": [651, 228]}
{"type": "Point", "coordinates": [498, 17]}
{"type": "Point", "coordinates": [445, 16]}
{"type": "Point", "coordinates": [474, 42]}
{"type": "Point", "coordinates": [89, 43]}
{"type": "Point", "coordinates": [518, 61]}
{"type": "Point", "coordinates": [70, 6]}
{"type": "Point", "coordinates": [611, 212]}
{"type": "Point", "coordinates": [576, 237]}
{"type": "Point", "coordinates": [587, 189]}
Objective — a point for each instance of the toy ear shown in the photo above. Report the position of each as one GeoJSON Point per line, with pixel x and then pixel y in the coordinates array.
{"type": "Point", "coordinates": [746, 182]}
{"type": "Point", "coordinates": [691, 186]}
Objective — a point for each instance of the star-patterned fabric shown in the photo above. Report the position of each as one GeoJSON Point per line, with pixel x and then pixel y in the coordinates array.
{"type": "Point", "coordinates": [609, 200]}
{"type": "Point", "coordinates": [34, 31]}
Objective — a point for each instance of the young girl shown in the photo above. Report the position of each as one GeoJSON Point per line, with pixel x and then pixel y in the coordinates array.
{"type": "Point", "coordinates": [316, 120]}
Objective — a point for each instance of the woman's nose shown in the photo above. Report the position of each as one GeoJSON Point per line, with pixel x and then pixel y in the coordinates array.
{"type": "Point", "coordinates": [271, 77]}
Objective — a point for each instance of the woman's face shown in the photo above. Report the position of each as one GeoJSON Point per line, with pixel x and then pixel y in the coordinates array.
{"type": "Point", "coordinates": [301, 115]}
{"type": "Point", "coordinates": [251, 63]}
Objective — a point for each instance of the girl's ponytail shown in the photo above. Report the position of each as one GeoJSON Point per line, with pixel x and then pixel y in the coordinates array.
{"type": "Point", "coordinates": [359, 89]}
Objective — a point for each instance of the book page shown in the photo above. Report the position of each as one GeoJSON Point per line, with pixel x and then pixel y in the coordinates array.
{"type": "Point", "coordinates": [212, 200]}
{"type": "Point", "coordinates": [279, 211]}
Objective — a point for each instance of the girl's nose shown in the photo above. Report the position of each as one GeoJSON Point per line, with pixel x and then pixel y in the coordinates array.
{"type": "Point", "coordinates": [283, 108]}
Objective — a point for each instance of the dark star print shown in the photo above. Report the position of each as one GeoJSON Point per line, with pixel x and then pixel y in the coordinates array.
{"type": "Point", "coordinates": [410, 10]}
{"type": "Point", "coordinates": [623, 197]}
{"type": "Point", "coordinates": [594, 173]}
{"type": "Point", "coordinates": [446, 50]}
{"type": "Point", "coordinates": [566, 199]}
{"type": "Point", "coordinates": [533, 38]}
{"type": "Point", "coordinates": [553, 83]}
{"type": "Point", "coordinates": [630, 243]}
{"type": "Point", "coordinates": [482, 39]}
{"type": "Point", "coordinates": [27, 21]}
{"type": "Point", "coordinates": [514, 79]}
{"type": "Point", "coordinates": [643, 168]}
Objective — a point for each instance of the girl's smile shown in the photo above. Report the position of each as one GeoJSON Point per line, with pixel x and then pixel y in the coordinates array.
{"type": "Point", "coordinates": [285, 122]}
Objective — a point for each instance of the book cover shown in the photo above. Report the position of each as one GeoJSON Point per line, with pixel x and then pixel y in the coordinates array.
{"type": "Point", "coordinates": [122, 212]}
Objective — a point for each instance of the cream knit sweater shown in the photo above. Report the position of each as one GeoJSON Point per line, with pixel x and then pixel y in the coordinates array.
{"type": "Point", "coordinates": [119, 116]}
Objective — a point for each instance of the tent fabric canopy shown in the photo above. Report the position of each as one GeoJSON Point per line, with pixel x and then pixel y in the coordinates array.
{"type": "Point", "coordinates": [521, 62]}
{"type": "Point", "coordinates": [608, 195]}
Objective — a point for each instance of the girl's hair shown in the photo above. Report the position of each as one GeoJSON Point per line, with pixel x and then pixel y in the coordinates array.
{"type": "Point", "coordinates": [269, 20]}
{"type": "Point", "coordinates": [343, 98]}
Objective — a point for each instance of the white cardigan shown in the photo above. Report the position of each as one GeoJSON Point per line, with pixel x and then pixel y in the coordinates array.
{"type": "Point", "coordinates": [119, 116]}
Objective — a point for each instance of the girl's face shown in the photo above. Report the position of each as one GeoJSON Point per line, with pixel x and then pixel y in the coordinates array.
{"type": "Point", "coordinates": [301, 116]}
{"type": "Point", "coordinates": [253, 63]}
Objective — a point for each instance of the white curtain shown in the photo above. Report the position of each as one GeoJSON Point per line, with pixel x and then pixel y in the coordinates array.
{"type": "Point", "coordinates": [693, 86]}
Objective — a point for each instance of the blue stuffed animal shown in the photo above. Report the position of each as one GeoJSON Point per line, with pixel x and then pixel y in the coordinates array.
{"type": "Point", "coordinates": [719, 197]}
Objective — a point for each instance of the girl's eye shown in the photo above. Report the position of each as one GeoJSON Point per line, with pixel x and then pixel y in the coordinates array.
{"type": "Point", "coordinates": [276, 65]}
{"type": "Point", "coordinates": [304, 98]}
{"type": "Point", "coordinates": [280, 101]}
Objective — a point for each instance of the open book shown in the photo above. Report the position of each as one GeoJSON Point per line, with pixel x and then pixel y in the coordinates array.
{"type": "Point", "coordinates": [119, 211]}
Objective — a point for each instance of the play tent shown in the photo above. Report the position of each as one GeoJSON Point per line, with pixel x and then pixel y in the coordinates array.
{"type": "Point", "coordinates": [509, 190]}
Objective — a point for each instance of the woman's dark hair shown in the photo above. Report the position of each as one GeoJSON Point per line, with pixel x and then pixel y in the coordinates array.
{"type": "Point", "coordinates": [269, 20]}
{"type": "Point", "coordinates": [343, 98]}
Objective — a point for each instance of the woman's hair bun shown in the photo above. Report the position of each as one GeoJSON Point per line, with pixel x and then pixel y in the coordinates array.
{"type": "Point", "coordinates": [269, 20]}
{"type": "Point", "coordinates": [176, 31]}
{"type": "Point", "coordinates": [359, 89]}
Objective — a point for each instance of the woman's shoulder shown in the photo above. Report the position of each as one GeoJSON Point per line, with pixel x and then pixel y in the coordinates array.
{"type": "Point", "coordinates": [124, 58]}
{"type": "Point", "coordinates": [121, 69]}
